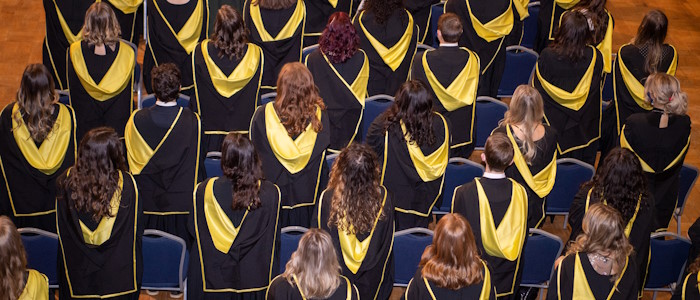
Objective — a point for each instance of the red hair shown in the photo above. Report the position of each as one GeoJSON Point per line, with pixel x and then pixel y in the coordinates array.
{"type": "Point", "coordinates": [339, 41]}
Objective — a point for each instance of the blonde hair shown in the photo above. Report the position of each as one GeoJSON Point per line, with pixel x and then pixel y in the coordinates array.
{"type": "Point", "coordinates": [101, 26]}
{"type": "Point", "coordinates": [314, 266]}
{"type": "Point", "coordinates": [666, 90]}
{"type": "Point", "coordinates": [13, 261]}
{"type": "Point", "coordinates": [526, 110]}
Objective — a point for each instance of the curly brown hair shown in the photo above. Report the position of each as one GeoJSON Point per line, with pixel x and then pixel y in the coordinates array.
{"type": "Point", "coordinates": [413, 105]}
{"type": "Point", "coordinates": [101, 26]}
{"type": "Point", "coordinates": [297, 99]}
{"type": "Point", "coordinates": [357, 194]}
{"type": "Point", "coordinates": [230, 34]}
{"type": "Point", "coordinates": [382, 9]}
{"type": "Point", "coordinates": [13, 260]}
{"type": "Point", "coordinates": [275, 4]}
{"type": "Point", "coordinates": [35, 99]}
{"type": "Point", "coordinates": [242, 166]}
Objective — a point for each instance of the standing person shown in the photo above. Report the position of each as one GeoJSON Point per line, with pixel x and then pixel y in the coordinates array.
{"type": "Point", "coordinates": [660, 139]}
{"type": "Point", "coordinates": [101, 73]}
{"type": "Point", "coordinates": [38, 138]}
{"type": "Point", "coordinates": [100, 222]}
{"type": "Point", "coordinates": [341, 72]}
{"type": "Point", "coordinates": [129, 13]}
{"type": "Point", "coordinates": [235, 225]}
{"type": "Point", "coordinates": [413, 142]}
{"type": "Point", "coordinates": [357, 212]}
{"type": "Point", "coordinates": [535, 145]}
{"type": "Point", "coordinates": [568, 76]}
{"type": "Point", "coordinates": [291, 135]}
{"type": "Point", "coordinates": [318, 14]}
{"type": "Point", "coordinates": [451, 74]}
{"type": "Point", "coordinates": [486, 26]}
{"type": "Point", "coordinates": [227, 78]}
{"type": "Point", "coordinates": [389, 35]}
{"type": "Point", "coordinates": [17, 281]}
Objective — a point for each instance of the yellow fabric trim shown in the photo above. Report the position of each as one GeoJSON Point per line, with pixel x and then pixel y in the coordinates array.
{"type": "Point", "coordinates": [494, 29]}
{"type": "Point", "coordinates": [354, 250]}
{"type": "Point", "coordinates": [138, 152]}
{"type": "Point", "coordinates": [48, 157]}
{"type": "Point", "coordinates": [189, 34]}
{"type": "Point", "coordinates": [223, 232]}
{"type": "Point", "coordinates": [359, 85]}
{"type": "Point", "coordinates": [630, 224]}
{"type": "Point", "coordinates": [486, 286]}
{"type": "Point", "coordinates": [566, 4]}
{"type": "Point", "coordinates": [36, 287]}
{"type": "Point", "coordinates": [625, 144]}
{"type": "Point", "coordinates": [674, 63]}
{"type": "Point", "coordinates": [103, 232]}
{"type": "Point", "coordinates": [70, 37]}
{"type": "Point", "coordinates": [333, 3]}
{"type": "Point", "coordinates": [635, 87]}
{"type": "Point", "coordinates": [521, 7]}
{"type": "Point", "coordinates": [462, 91]}
{"type": "Point", "coordinates": [245, 70]}
{"type": "Point", "coordinates": [289, 28]}
{"type": "Point", "coordinates": [116, 79]}
{"type": "Point", "coordinates": [581, 288]}
{"type": "Point", "coordinates": [577, 98]}
{"type": "Point", "coordinates": [605, 46]}
{"type": "Point", "coordinates": [507, 240]}
{"type": "Point", "coordinates": [433, 165]}
{"type": "Point", "coordinates": [394, 56]}
{"type": "Point", "coordinates": [127, 6]}
{"type": "Point", "coordinates": [293, 154]}
{"type": "Point", "coordinates": [542, 182]}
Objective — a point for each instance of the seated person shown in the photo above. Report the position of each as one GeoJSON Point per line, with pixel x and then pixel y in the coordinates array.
{"type": "Point", "coordinates": [18, 282]}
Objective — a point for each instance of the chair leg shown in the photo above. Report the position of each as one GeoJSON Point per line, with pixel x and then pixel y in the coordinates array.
{"type": "Point", "coordinates": [566, 221]}
{"type": "Point", "coordinates": [654, 297]}
{"type": "Point", "coordinates": [541, 292]}
{"type": "Point", "coordinates": [678, 225]}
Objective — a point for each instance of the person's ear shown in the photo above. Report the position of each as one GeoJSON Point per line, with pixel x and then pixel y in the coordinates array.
{"type": "Point", "coordinates": [483, 157]}
{"type": "Point", "coordinates": [439, 36]}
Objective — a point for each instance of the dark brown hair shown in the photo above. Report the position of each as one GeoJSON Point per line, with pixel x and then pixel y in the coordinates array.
{"type": "Point", "coordinates": [498, 151]}
{"type": "Point", "coordinates": [339, 41]}
{"type": "Point", "coordinates": [13, 260]}
{"type": "Point", "coordinates": [450, 27]}
{"type": "Point", "coordinates": [382, 9]}
{"type": "Point", "coordinates": [35, 99]}
{"type": "Point", "coordinates": [242, 166]}
{"type": "Point", "coordinates": [165, 80]}
{"type": "Point", "coordinates": [101, 26]}
{"type": "Point", "coordinates": [275, 4]}
{"type": "Point", "coordinates": [652, 33]}
{"type": "Point", "coordinates": [230, 35]}
{"type": "Point", "coordinates": [595, 11]}
{"type": "Point", "coordinates": [573, 35]}
{"type": "Point", "coordinates": [413, 105]}
{"type": "Point", "coordinates": [297, 99]}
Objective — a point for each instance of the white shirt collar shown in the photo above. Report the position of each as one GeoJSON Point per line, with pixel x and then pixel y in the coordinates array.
{"type": "Point", "coordinates": [166, 104]}
{"type": "Point", "coordinates": [448, 45]}
{"type": "Point", "coordinates": [492, 175]}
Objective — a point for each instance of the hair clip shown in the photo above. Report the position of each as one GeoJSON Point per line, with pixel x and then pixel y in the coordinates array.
{"type": "Point", "coordinates": [651, 99]}
{"type": "Point", "coordinates": [670, 98]}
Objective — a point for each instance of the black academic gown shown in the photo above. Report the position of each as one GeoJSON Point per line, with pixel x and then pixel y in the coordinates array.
{"type": "Point", "coordinates": [548, 22]}
{"type": "Point", "coordinates": [243, 266]}
{"type": "Point", "coordinates": [317, 14]}
{"type": "Point", "coordinates": [111, 269]}
{"type": "Point", "coordinates": [130, 17]}
{"type": "Point", "coordinates": [281, 289]}
{"type": "Point", "coordinates": [563, 278]}
{"type": "Point", "coordinates": [421, 10]}
{"type": "Point", "coordinates": [375, 276]}
{"type": "Point", "coordinates": [419, 289]}
{"type": "Point", "coordinates": [384, 79]}
{"type": "Point", "coordinates": [689, 288]}
{"type": "Point", "coordinates": [579, 130]}
{"type": "Point", "coordinates": [28, 195]}
{"type": "Point", "coordinates": [662, 152]}
{"type": "Point", "coordinates": [505, 274]}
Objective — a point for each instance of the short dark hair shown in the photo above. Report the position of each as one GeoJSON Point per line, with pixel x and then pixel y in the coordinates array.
{"type": "Point", "coordinates": [165, 80]}
{"type": "Point", "coordinates": [498, 151]}
{"type": "Point", "coordinates": [450, 27]}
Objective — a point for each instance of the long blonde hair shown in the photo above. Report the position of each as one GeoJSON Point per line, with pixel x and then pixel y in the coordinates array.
{"type": "Point", "coordinates": [101, 26]}
{"type": "Point", "coordinates": [35, 99]}
{"type": "Point", "coordinates": [13, 261]}
{"type": "Point", "coordinates": [666, 90]}
{"type": "Point", "coordinates": [314, 267]}
{"type": "Point", "coordinates": [526, 111]}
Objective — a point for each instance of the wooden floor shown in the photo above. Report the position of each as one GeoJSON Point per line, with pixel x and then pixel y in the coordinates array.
{"type": "Point", "coordinates": [22, 30]}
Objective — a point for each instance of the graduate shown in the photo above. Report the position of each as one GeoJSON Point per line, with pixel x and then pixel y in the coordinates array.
{"type": "Point", "coordinates": [100, 223]}
{"type": "Point", "coordinates": [600, 25]}
{"type": "Point", "coordinates": [317, 15]}
{"type": "Point", "coordinates": [175, 28]}
{"type": "Point", "coordinates": [281, 37]}
{"type": "Point", "coordinates": [389, 35]}
{"type": "Point", "coordinates": [357, 212]}
{"type": "Point", "coordinates": [689, 288]}
{"type": "Point", "coordinates": [451, 74]}
{"type": "Point", "coordinates": [291, 136]}
{"type": "Point", "coordinates": [18, 281]}
{"type": "Point", "coordinates": [64, 23]}
{"type": "Point", "coordinates": [497, 206]}
{"type": "Point", "coordinates": [549, 19]}
{"type": "Point", "coordinates": [568, 76]}
{"type": "Point", "coordinates": [660, 139]}
{"type": "Point", "coordinates": [313, 272]}
{"type": "Point", "coordinates": [486, 26]}
{"type": "Point", "coordinates": [422, 13]}
{"type": "Point", "coordinates": [535, 150]}
{"type": "Point", "coordinates": [598, 264]}
{"type": "Point", "coordinates": [38, 138]}
{"type": "Point", "coordinates": [341, 73]}
{"type": "Point", "coordinates": [413, 144]}
{"type": "Point", "coordinates": [227, 78]}
{"type": "Point", "coordinates": [236, 229]}
{"type": "Point", "coordinates": [163, 152]}
{"type": "Point", "coordinates": [451, 268]}
{"type": "Point", "coordinates": [129, 13]}
{"type": "Point", "coordinates": [101, 73]}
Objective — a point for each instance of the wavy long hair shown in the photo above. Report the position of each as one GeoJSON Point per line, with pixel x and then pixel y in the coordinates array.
{"type": "Point", "coordinates": [94, 178]}
{"type": "Point", "coordinates": [35, 99]}
{"type": "Point", "coordinates": [526, 111]}
{"type": "Point", "coordinates": [275, 4]}
{"type": "Point", "coordinates": [572, 37]}
{"type": "Point", "coordinates": [595, 11]}
{"type": "Point", "coordinates": [339, 41]}
{"type": "Point", "coordinates": [230, 34]}
{"type": "Point", "coordinates": [315, 265]}
{"type": "Point", "coordinates": [297, 99]}
{"type": "Point", "coordinates": [413, 105]}
{"type": "Point", "coordinates": [242, 166]}
{"type": "Point", "coordinates": [101, 26]}
{"type": "Point", "coordinates": [13, 260]}
{"type": "Point", "coordinates": [452, 261]}
{"type": "Point", "coordinates": [652, 33]}
{"type": "Point", "coordinates": [382, 9]}
{"type": "Point", "coordinates": [666, 90]}
{"type": "Point", "coordinates": [357, 195]}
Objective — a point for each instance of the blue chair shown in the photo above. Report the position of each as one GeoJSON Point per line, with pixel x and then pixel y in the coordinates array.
{"type": "Point", "coordinates": [289, 243]}
{"type": "Point", "coordinates": [541, 251]}
{"type": "Point", "coordinates": [667, 261]}
{"type": "Point", "coordinates": [520, 63]}
{"type": "Point", "coordinates": [212, 164]}
{"type": "Point", "coordinates": [686, 182]}
{"type": "Point", "coordinates": [420, 48]}
{"type": "Point", "coordinates": [267, 98]}
{"type": "Point", "coordinates": [436, 10]}
{"type": "Point", "coordinates": [306, 51]}
{"type": "Point", "coordinates": [374, 106]}
{"type": "Point", "coordinates": [459, 171]}
{"type": "Point", "coordinates": [63, 97]}
{"type": "Point", "coordinates": [330, 159]}
{"type": "Point", "coordinates": [150, 100]}
{"type": "Point", "coordinates": [607, 94]}
{"type": "Point", "coordinates": [42, 252]}
{"type": "Point", "coordinates": [530, 25]}
{"type": "Point", "coordinates": [409, 245]}
{"type": "Point", "coordinates": [571, 174]}
{"type": "Point", "coordinates": [489, 112]}
{"type": "Point", "coordinates": [165, 262]}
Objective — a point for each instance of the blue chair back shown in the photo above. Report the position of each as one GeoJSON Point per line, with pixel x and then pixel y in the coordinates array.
{"type": "Point", "coordinates": [459, 171]}
{"type": "Point", "coordinates": [571, 174]}
{"type": "Point", "coordinates": [289, 242]}
{"type": "Point", "coordinates": [489, 112]}
{"type": "Point", "coordinates": [150, 100]}
{"type": "Point", "coordinates": [686, 181]}
{"type": "Point", "coordinates": [212, 165]}
{"type": "Point", "coordinates": [530, 25]}
{"type": "Point", "coordinates": [520, 62]}
{"type": "Point", "coordinates": [409, 245]}
{"type": "Point", "coordinates": [374, 106]}
{"type": "Point", "coordinates": [436, 10]}
{"type": "Point", "coordinates": [541, 251]}
{"type": "Point", "coordinates": [267, 98]}
{"type": "Point", "coordinates": [306, 51]}
{"type": "Point", "coordinates": [42, 252]}
{"type": "Point", "coordinates": [667, 261]}
{"type": "Point", "coordinates": [608, 94]}
{"type": "Point", "coordinates": [63, 97]}
{"type": "Point", "coordinates": [420, 48]}
{"type": "Point", "coordinates": [330, 159]}
{"type": "Point", "coordinates": [164, 261]}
